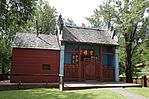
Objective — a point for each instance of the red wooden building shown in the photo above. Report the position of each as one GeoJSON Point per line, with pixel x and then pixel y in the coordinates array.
{"type": "Point", "coordinates": [34, 57]}
{"type": "Point", "coordinates": [75, 53]}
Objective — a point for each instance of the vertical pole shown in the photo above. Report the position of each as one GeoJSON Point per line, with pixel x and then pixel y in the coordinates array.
{"type": "Point", "coordinates": [61, 84]}
{"type": "Point", "coordinates": [116, 65]}
{"type": "Point", "coordinates": [145, 81]}
{"type": "Point", "coordinates": [101, 67]}
{"type": "Point", "coordinates": [79, 69]}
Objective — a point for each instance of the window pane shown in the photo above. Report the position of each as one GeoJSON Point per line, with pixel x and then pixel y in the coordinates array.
{"type": "Point", "coordinates": [46, 66]}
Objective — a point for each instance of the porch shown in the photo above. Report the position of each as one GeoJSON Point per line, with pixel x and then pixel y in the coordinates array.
{"type": "Point", "coordinates": [97, 84]}
{"type": "Point", "coordinates": [6, 85]}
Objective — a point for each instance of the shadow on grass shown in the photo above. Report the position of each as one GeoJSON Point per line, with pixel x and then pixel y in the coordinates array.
{"type": "Point", "coordinates": [45, 93]}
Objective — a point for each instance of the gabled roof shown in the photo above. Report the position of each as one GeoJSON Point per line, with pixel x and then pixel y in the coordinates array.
{"type": "Point", "coordinates": [29, 40]}
{"type": "Point", "coordinates": [87, 35]}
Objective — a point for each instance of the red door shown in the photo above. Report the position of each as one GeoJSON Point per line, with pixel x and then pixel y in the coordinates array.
{"type": "Point", "coordinates": [89, 68]}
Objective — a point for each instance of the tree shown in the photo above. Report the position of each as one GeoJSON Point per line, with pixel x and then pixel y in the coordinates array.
{"type": "Point", "coordinates": [95, 21]}
{"type": "Point", "coordinates": [127, 16]}
{"type": "Point", "coordinates": [69, 22]}
{"type": "Point", "coordinates": [13, 15]}
{"type": "Point", "coordinates": [5, 53]}
{"type": "Point", "coordinates": [44, 19]}
{"type": "Point", "coordinates": [142, 54]}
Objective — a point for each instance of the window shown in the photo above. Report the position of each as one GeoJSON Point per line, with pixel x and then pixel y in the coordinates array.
{"type": "Point", "coordinates": [75, 59]}
{"type": "Point", "coordinates": [46, 66]}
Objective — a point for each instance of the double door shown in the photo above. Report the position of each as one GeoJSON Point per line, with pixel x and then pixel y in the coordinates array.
{"type": "Point", "coordinates": [88, 66]}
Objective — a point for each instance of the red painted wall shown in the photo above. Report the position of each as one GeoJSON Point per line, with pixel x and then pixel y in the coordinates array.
{"type": "Point", "coordinates": [29, 61]}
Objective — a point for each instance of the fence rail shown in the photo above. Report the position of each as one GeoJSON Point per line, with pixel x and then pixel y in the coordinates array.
{"type": "Point", "coordinates": [30, 77]}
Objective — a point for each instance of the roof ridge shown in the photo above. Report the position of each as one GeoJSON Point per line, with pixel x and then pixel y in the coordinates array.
{"type": "Point", "coordinates": [79, 27]}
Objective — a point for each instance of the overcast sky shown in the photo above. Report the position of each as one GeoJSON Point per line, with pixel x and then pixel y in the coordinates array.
{"type": "Point", "coordinates": [75, 9]}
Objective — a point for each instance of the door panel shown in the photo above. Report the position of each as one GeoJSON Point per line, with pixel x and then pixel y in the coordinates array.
{"type": "Point", "coordinates": [89, 68]}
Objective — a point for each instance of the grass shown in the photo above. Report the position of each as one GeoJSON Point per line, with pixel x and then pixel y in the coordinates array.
{"type": "Point", "coordinates": [142, 91]}
{"type": "Point", "coordinates": [47, 93]}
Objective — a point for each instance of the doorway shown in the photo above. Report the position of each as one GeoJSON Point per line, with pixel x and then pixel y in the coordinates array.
{"type": "Point", "coordinates": [89, 64]}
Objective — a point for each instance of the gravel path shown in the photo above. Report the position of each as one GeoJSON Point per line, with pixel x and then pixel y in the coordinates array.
{"type": "Point", "coordinates": [129, 95]}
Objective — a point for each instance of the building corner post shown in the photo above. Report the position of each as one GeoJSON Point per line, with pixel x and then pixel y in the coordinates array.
{"type": "Point", "coordinates": [116, 65]}
{"type": "Point", "coordinates": [101, 66]}
{"type": "Point", "coordinates": [61, 75]}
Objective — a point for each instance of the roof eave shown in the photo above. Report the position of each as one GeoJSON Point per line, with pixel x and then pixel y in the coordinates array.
{"type": "Point", "coordinates": [36, 48]}
{"type": "Point", "coordinates": [89, 43]}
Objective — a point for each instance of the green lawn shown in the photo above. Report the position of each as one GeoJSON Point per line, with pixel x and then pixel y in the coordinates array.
{"type": "Point", "coordinates": [47, 93]}
{"type": "Point", "coordinates": [142, 91]}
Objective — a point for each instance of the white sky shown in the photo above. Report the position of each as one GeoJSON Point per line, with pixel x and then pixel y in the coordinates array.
{"type": "Point", "coordinates": [75, 9]}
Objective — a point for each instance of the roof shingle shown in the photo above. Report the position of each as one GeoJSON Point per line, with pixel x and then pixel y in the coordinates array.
{"type": "Point", "coordinates": [87, 35]}
{"type": "Point", "coordinates": [42, 41]}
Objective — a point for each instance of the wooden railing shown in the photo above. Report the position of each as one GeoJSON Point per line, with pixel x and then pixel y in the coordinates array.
{"type": "Point", "coordinates": [108, 73]}
{"type": "Point", "coordinates": [71, 72]}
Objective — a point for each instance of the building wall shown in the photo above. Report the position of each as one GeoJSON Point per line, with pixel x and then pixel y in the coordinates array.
{"type": "Point", "coordinates": [107, 59]}
{"type": "Point", "coordinates": [68, 56]}
{"type": "Point", "coordinates": [30, 61]}
{"type": "Point", "coordinates": [76, 72]}
{"type": "Point", "coordinates": [104, 56]}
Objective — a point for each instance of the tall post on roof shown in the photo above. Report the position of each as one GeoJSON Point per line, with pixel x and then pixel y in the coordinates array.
{"type": "Point", "coordinates": [61, 75]}
{"type": "Point", "coordinates": [60, 26]}
{"type": "Point", "coordinates": [60, 23]}
{"type": "Point", "coordinates": [116, 64]}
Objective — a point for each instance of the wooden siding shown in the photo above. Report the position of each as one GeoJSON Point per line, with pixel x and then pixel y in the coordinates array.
{"type": "Point", "coordinates": [70, 72]}
{"type": "Point", "coordinates": [30, 61]}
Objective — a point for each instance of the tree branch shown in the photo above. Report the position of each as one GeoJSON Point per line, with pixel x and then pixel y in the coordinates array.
{"type": "Point", "coordinates": [133, 34]}
{"type": "Point", "coordinates": [119, 20]}
{"type": "Point", "coordinates": [133, 50]}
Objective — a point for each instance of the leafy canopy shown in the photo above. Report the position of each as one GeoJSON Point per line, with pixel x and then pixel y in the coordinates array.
{"type": "Point", "coordinates": [44, 19]}
{"type": "Point", "coordinates": [13, 15]}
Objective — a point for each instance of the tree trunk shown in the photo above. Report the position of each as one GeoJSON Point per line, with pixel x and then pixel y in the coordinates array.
{"type": "Point", "coordinates": [3, 72]}
{"type": "Point", "coordinates": [128, 70]}
{"type": "Point", "coordinates": [144, 81]}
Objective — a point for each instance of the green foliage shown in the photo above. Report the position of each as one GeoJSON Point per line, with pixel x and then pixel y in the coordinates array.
{"type": "Point", "coordinates": [95, 21]}
{"type": "Point", "coordinates": [13, 15]}
{"type": "Point", "coordinates": [69, 22]}
{"type": "Point", "coordinates": [45, 18]}
{"type": "Point", "coordinates": [5, 53]}
{"type": "Point", "coordinates": [141, 55]}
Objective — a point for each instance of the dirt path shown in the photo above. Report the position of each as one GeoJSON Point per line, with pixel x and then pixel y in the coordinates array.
{"type": "Point", "coordinates": [129, 95]}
